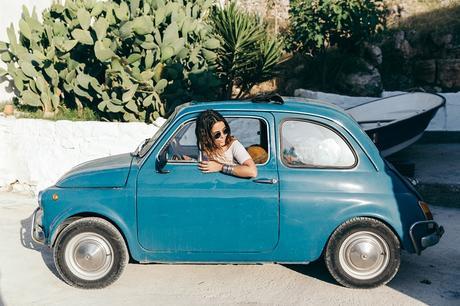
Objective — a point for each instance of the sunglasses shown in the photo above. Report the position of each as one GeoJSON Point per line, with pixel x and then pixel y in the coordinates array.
{"type": "Point", "coordinates": [218, 134]}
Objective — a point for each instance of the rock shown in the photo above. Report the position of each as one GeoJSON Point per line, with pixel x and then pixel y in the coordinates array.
{"type": "Point", "coordinates": [399, 37]}
{"type": "Point", "coordinates": [373, 53]}
{"type": "Point", "coordinates": [402, 45]}
{"type": "Point", "coordinates": [425, 71]}
{"type": "Point", "coordinates": [449, 73]}
{"type": "Point", "coordinates": [299, 69]}
{"type": "Point", "coordinates": [366, 82]}
{"type": "Point", "coordinates": [443, 41]}
{"type": "Point", "coordinates": [413, 37]}
{"type": "Point", "coordinates": [287, 87]}
{"type": "Point", "coordinates": [454, 52]}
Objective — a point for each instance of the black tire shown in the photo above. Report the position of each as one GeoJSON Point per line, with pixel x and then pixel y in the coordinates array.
{"type": "Point", "coordinates": [90, 253]}
{"type": "Point", "coordinates": [363, 253]}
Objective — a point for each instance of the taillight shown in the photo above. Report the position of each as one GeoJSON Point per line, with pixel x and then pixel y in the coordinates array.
{"type": "Point", "coordinates": [426, 210]}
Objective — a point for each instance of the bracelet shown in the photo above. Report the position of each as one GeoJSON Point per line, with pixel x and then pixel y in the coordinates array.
{"type": "Point", "coordinates": [227, 169]}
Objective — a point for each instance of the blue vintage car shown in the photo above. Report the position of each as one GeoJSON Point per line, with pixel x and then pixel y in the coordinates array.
{"type": "Point", "coordinates": [322, 190]}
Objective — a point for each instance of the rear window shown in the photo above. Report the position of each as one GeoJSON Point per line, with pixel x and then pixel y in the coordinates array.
{"type": "Point", "coordinates": [307, 144]}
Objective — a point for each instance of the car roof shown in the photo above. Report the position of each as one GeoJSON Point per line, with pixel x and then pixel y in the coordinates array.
{"type": "Point", "coordinates": [291, 104]}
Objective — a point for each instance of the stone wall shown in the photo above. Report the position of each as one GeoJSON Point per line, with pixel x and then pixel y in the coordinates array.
{"type": "Point", "coordinates": [411, 59]}
{"type": "Point", "coordinates": [276, 12]}
{"type": "Point", "coordinates": [34, 153]}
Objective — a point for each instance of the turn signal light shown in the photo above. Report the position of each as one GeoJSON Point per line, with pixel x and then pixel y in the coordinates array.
{"type": "Point", "coordinates": [55, 197]}
{"type": "Point", "coordinates": [426, 210]}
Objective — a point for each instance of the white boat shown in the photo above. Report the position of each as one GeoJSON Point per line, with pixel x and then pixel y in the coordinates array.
{"type": "Point", "coordinates": [394, 123]}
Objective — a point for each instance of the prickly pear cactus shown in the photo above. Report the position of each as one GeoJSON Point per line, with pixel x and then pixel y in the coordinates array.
{"type": "Point", "coordinates": [129, 60]}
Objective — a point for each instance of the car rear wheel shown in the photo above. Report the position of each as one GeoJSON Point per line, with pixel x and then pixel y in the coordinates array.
{"type": "Point", "coordinates": [90, 253]}
{"type": "Point", "coordinates": [363, 253]}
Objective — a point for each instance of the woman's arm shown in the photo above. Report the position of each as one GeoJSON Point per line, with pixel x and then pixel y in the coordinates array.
{"type": "Point", "coordinates": [247, 169]}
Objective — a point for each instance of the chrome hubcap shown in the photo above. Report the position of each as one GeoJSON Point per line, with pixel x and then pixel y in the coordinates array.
{"type": "Point", "coordinates": [89, 256]}
{"type": "Point", "coordinates": [364, 255]}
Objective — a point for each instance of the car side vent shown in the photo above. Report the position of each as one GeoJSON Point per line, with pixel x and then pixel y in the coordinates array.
{"type": "Point", "coordinates": [268, 98]}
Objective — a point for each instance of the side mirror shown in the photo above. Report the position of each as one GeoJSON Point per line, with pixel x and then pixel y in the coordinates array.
{"type": "Point", "coordinates": [161, 162]}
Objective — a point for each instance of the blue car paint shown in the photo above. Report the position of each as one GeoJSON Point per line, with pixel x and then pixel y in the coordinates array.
{"type": "Point", "coordinates": [104, 172]}
{"type": "Point", "coordinates": [209, 212]}
{"type": "Point", "coordinates": [301, 211]}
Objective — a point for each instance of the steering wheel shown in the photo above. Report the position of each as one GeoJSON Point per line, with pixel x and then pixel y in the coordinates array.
{"type": "Point", "coordinates": [174, 150]}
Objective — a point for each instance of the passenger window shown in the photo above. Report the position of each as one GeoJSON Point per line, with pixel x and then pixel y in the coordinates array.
{"type": "Point", "coordinates": [306, 144]}
{"type": "Point", "coordinates": [251, 132]}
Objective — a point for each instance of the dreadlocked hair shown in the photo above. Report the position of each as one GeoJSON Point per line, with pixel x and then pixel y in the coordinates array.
{"type": "Point", "coordinates": [204, 137]}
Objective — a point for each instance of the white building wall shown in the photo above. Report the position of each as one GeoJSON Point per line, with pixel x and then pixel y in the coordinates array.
{"type": "Point", "coordinates": [35, 153]}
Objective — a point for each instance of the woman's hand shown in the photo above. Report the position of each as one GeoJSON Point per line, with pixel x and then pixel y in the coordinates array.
{"type": "Point", "coordinates": [209, 166]}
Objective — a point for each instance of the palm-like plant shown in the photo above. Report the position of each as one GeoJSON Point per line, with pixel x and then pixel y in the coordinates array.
{"type": "Point", "coordinates": [248, 54]}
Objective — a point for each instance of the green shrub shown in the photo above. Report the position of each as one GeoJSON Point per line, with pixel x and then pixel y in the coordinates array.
{"type": "Point", "coordinates": [248, 55]}
{"type": "Point", "coordinates": [128, 60]}
{"type": "Point", "coordinates": [316, 25]}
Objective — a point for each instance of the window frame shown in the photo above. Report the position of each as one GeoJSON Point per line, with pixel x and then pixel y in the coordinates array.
{"type": "Point", "coordinates": [185, 162]}
{"type": "Point", "coordinates": [333, 130]}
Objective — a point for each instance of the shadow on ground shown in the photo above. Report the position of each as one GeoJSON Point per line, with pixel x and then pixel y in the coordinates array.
{"type": "Point", "coordinates": [429, 278]}
{"type": "Point", "coordinates": [27, 242]}
{"type": "Point", "coordinates": [316, 269]}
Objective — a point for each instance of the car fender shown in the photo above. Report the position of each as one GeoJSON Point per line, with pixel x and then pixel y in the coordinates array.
{"type": "Point", "coordinates": [74, 213]}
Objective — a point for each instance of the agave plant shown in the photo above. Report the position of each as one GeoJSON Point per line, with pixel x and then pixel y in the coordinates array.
{"type": "Point", "coordinates": [248, 54]}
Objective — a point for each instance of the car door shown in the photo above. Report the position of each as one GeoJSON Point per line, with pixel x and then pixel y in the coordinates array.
{"type": "Point", "coordinates": [322, 174]}
{"type": "Point", "coordinates": [185, 210]}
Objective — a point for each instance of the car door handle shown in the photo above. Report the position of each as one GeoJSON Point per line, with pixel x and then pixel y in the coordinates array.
{"type": "Point", "coordinates": [265, 181]}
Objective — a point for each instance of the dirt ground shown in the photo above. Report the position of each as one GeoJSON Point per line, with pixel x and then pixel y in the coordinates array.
{"type": "Point", "coordinates": [28, 276]}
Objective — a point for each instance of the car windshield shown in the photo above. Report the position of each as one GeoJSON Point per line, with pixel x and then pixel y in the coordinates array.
{"type": "Point", "coordinates": [148, 143]}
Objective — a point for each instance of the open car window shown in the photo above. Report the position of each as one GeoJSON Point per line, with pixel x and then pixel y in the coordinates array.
{"type": "Point", "coordinates": [251, 132]}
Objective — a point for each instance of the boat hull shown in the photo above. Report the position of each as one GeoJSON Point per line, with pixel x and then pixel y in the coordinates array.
{"type": "Point", "coordinates": [394, 123]}
{"type": "Point", "coordinates": [398, 135]}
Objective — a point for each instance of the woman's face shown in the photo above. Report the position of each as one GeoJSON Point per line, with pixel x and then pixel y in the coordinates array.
{"type": "Point", "coordinates": [219, 133]}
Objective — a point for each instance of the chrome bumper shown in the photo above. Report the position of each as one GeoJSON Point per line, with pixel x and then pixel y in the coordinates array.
{"type": "Point", "coordinates": [37, 233]}
{"type": "Point", "coordinates": [425, 234]}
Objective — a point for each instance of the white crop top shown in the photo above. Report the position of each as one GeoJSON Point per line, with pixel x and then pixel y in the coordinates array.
{"type": "Point", "coordinates": [236, 154]}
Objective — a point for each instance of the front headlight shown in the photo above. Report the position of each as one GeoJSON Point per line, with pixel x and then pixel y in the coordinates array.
{"type": "Point", "coordinates": [426, 210]}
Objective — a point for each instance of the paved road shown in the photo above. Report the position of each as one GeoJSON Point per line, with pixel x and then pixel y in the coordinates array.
{"type": "Point", "coordinates": [28, 277]}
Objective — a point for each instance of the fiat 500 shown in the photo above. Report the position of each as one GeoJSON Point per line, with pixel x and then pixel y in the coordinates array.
{"type": "Point", "coordinates": [322, 191]}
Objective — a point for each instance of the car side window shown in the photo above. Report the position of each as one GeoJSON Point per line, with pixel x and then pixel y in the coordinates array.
{"type": "Point", "coordinates": [311, 145]}
{"type": "Point", "coordinates": [253, 135]}
{"type": "Point", "coordinates": [251, 132]}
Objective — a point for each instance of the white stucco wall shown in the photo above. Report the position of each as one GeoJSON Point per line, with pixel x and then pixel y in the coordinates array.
{"type": "Point", "coordinates": [35, 153]}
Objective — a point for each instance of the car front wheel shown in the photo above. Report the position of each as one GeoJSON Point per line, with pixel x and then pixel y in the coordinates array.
{"type": "Point", "coordinates": [90, 253]}
{"type": "Point", "coordinates": [363, 253]}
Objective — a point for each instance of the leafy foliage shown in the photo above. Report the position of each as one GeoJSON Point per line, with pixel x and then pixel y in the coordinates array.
{"type": "Point", "coordinates": [319, 24]}
{"type": "Point", "coordinates": [128, 60]}
{"type": "Point", "coordinates": [248, 55]}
